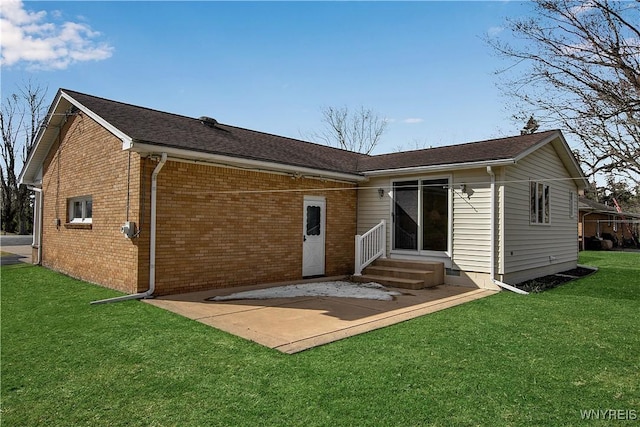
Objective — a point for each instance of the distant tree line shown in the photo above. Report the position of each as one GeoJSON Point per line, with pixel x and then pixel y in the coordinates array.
{"type": "Point", "coordinates": [21, 116]}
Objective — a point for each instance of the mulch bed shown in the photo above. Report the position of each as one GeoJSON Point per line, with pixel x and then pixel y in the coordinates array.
{"type": "Point", "coordinates": [541, 284]}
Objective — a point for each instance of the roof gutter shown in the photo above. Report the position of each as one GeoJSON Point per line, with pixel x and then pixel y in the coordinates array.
{"type": "Point", "coordinates": [492, 256]}
{"type": "Point", "coordinates": [440, 168]}
{"type": "Point", "coordinates": [222, 160]}
{"type": "Point", "coordinates": [610, 212]}
{"type": "Point", "coordinates": [152, 244]}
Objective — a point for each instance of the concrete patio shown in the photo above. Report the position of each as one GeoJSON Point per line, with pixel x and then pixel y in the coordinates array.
{"type": "Point", "coordinates": [291, 325]}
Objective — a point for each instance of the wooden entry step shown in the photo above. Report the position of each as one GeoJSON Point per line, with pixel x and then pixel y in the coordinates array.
{"type": "Point", "coordinates": [403, 274]}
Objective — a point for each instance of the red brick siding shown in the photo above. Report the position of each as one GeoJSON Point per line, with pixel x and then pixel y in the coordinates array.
{"type": "Point", "coordinates": [90, 161]}
{"type": "Point", "coordinates": [210, 237]}
{"type": "Point", "coordinates": [207, 236]}
{"type": "Point", "coordinates": [606, 226]}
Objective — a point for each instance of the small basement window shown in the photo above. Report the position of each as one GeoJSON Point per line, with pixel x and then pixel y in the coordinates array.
{"type": "Point", "coordinates": [80, 210]}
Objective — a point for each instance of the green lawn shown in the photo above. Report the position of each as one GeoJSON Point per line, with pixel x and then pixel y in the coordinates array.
{"type": "Point", "coordinates": [504, 360]}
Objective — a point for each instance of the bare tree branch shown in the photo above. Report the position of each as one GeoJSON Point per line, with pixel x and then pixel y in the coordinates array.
{"type": "Point", "coordinates": [577, 66]}
{"type": "Point", "coordinates": [358, 131]}
{"type": "Point", "coordinates": [20, 117]}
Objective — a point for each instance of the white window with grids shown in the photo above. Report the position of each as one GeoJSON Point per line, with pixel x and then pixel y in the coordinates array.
{"type": "Point", "coordinates": [81, 210]}
{"type": "Point", "coordinates": [540, 196]}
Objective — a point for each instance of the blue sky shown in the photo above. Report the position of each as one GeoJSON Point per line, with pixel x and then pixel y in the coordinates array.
{"type": "Point", "coordinates": [272, 66]}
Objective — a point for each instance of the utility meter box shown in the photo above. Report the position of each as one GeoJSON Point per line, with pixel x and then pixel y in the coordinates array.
{"type": "Point", "coordinates": [128, 229]}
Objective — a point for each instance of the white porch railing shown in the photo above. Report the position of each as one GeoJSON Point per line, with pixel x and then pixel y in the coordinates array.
{"type": "Point", "coordinates": [370, 246]}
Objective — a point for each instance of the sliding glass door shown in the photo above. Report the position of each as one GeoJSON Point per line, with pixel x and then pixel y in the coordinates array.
{"type": "Point", "coordinates": [405, 215]}
{"type": "Point", "coordinates": [421, 215]}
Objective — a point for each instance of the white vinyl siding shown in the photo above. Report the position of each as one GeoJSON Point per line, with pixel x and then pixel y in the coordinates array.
{"type": "Point", "coordinates": [471, 228]}
{"type": "Point", "coordinates": [372, 208]}
{"type": "Point", "coordinates": [472, 221]}
{"type": "Point", "coordinates": [526, 245]}
{"type": "Point", "coordinates": [523, 250]}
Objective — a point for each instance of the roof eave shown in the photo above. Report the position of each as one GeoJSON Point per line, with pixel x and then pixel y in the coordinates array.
{"type": "Point", "coordinates": [42, 144]}
{"type": "Point", "coordinates": [609, 212]}
{"type": "Point", "coordinates": [50, 130]}
{"type": "Point", "coordinates": [596, 210]}
{"type": "Point", "coordinates": [439, 168]}
{"type": "Point", "coordinates": [126, 139]}
{"type": "Point", "coordinates": [175, 153]}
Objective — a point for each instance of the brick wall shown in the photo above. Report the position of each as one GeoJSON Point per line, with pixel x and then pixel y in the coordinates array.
{"type": "Point", "coordinates": [222, 227]}
{"type": "Point", "coordinates": [591, 227]}
{"type": "Point", "coordinates": [87, 160]}
{"type": "Point", "coordinates": [217, 227]}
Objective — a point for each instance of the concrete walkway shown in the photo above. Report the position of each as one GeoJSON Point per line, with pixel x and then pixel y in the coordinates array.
{"type": "Point", "coordinates": [291, 325]}
{"type": "Point", "coordinates": [16, 249]}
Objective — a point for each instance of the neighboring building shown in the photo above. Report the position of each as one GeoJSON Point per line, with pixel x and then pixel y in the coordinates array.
{"type": "Point", "coordinates": [136, 199]}
{"type": "Point", "coordinates": [599, 222]}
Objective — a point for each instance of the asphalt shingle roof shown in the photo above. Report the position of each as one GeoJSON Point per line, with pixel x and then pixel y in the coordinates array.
{"type": "Point", "coordinates": [172, 130]}
{"type": "Point", "coordinates": [587, 204]}
{"type": "Point", "coordinates": [494, 149]}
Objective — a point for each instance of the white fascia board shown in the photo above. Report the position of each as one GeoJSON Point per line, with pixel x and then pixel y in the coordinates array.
{"type": "Point", "coordinates": [126, 139]}
{"type": "Point", "coordinates": [439, 168]}
{"type": "Point", "coordinates": [41, 145]}
{"type": "Point", "coordinates": [49, 132]}
{"type": "Point", "coordinates": [222, 160]}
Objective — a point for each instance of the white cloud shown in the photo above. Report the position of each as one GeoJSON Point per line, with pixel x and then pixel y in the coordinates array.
{"type": "Point", "coordinates": [494, 31]}
{"type": "Point", "coordinates": [582, 8]}
{"type": "Point", "coordinates": [26, 36]}
{"type": "Point", "coordinates": [413, 120]}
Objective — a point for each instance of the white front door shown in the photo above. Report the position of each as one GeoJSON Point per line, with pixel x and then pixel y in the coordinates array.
{"type": "Point", "coordinates": [313, 227]}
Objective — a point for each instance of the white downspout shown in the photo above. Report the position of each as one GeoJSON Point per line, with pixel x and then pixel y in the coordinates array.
{"type": "Point", "coordinates": [492, 256]}
{"type": "Point", "coordinates": [152, 227]}
{"type": "Point", "coordinates": [37, 232]}
{"type": "Point", "coordinates": [152, 241]}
